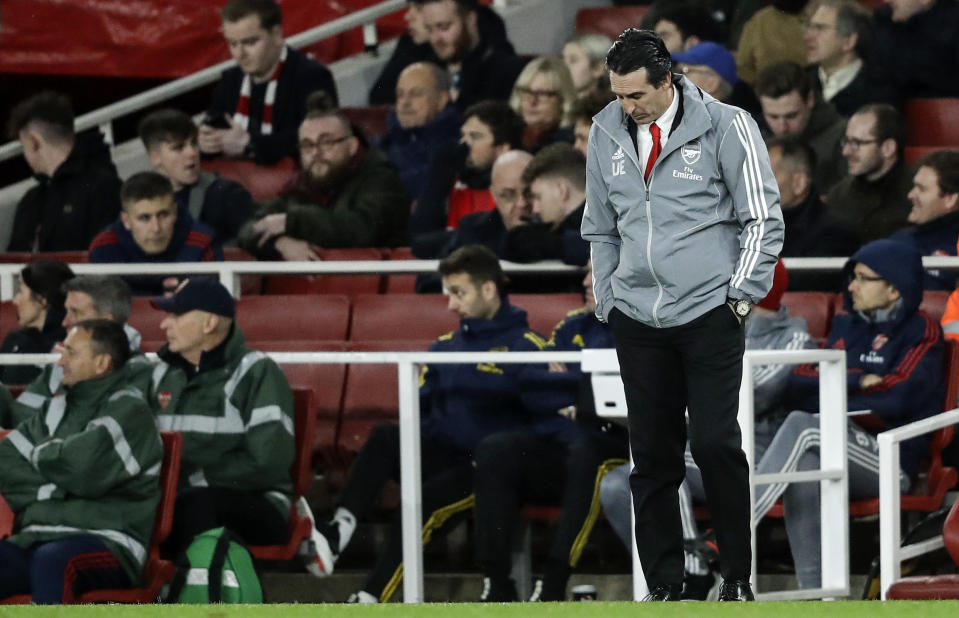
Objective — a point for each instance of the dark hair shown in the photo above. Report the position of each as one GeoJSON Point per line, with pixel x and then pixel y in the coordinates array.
{"type": "Point", "coordinates": [462, 6]}
{"type": "Point", "coordinates": [166, 125]}
{"type": "Point", "coordinates": [640, 49]}
{"type": "Point", "coordinates": [110, 294]}
{"type": "Point", "coordinates": [691, 19]}
{"type": "Point", "coordinates": [852, 18]}
{"type": "Point", "coordinates": [268, 11]}
{"type": "Point", "coordinates": [50, 111]}
{"type": "Point", "coordinates": [45, 277]}
{"type": "Point", "coordinates": [946, 165]}
{"type": "Point", "coordinates": [477, 261]}
{"type": "Point", "coordinates": [796, 151]}
{"type": "Point", "coordinates": [889, 123]}
{"type": "Point", "coordinates": [781, 78]}
{"type": "Point", "coordinates": [145, 186]}
{"type": "Point", "coordinates": [557, 160]}
{"type": "Point", "coordinates": [108, 337]}
{"type": "Point", "coordinates": [504, 123]}
{"type": "Point", "coordinates": [590, 104]}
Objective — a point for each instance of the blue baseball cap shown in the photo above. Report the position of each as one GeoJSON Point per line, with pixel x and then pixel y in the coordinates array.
{"type": "Point", "coordinates": [713, 55]}
{"type": "Point", "coordinates": [202, 294]}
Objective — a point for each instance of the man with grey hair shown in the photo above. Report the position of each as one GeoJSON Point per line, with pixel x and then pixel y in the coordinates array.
{"type": "Point", "coordinates": [346, 195]}
{"type": "Point", "coordinates": [422, 120]}
{"type": "Point", "coordinates": [837, 40]}
{"type": "Point", "coordinates": [88, 297]}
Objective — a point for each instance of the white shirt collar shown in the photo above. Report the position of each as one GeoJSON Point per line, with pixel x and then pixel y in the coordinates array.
{"type": "Point", "coordinates": [832, 84]}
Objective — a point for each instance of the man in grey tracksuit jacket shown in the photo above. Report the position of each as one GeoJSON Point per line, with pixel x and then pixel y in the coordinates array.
{"type": "Point", "coordinates": [673, 257]}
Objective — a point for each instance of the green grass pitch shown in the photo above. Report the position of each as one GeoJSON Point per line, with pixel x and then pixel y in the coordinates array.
{"type": "Point", "coordinates": [792, 609]}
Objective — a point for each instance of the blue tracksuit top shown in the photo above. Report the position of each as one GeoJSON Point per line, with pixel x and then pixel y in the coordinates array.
{"type": "Point", "coordinates": [906, 351]}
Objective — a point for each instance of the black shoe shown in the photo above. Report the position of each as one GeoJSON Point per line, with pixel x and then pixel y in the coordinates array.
{"type": "Point", "coordinates": [736, 590]}
{"type": "Point", "coordinates": [665, 592]}
{"type": "Point", "coordinates": [498, 592]}
{"type": "Point", "coordinates": [697, 587]}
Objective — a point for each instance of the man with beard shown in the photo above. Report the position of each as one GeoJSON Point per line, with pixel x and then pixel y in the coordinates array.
{"type": "Point", "coordinates": [459, 178]}
{"type": "Point", "coordinates": [479, 69]}
{"type": "Point", "coordinates": [170, 138]}
{"type": "Point", "coordinates": [872, 198]}
{"type": "Point", "coordinates": [346, 195]}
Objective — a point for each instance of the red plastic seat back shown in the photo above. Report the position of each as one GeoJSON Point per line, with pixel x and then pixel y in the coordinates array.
{"type": "Point", "coordinates": [386, 317]}
{"type": "Point", "coordinates": [545, 311]}
{"type": "Point", "coordinates": [351, 285]}
{"type": "Point", "coordinates": [932, 122]}
{"type": "Point", "coordinates": [401, 284]}
{"type": "Point", "coordinates": [610, 21]}
{"type": "Point", "coordinates": [815, 307]}
{"type": "Point", "coordinates": [371, 120]}
{"type": "Point", "coordinates": [934, 304]}
{"type": "Point", "coordinates": [264, 182]}
{"type": "Point", "coordinates": [295, 317]}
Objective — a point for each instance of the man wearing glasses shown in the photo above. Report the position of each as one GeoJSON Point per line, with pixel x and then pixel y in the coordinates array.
{"type": "Point", "coordinates": [872, 199]}
{"type": "Point", "coordinates": [347, 194]}
{"type": "Point", "coordinates": [893, 370]}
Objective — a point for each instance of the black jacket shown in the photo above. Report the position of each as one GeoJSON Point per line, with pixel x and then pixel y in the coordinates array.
{"type": "Point", "coordinates": [299, 77]}
{"type": "Point", "coordinates": [812, 232]}
{"type": "Point", "coordinates": [67, 210]}
{"type": "Point", "coordinates": [860, 91]}
{"type": "Point", "coordinates": [492, 31]}
{"type": "Point", "coordinates": [223, 204]}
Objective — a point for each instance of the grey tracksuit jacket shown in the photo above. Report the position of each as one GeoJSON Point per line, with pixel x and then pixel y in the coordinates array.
{"type": "Point", "coordinates": [707, 227]}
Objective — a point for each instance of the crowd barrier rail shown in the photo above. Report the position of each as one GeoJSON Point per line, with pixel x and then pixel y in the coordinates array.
{"type": "Point", "coordinates": [230, 271]}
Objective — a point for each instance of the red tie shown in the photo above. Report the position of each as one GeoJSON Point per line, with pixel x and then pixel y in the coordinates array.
{"type": "Point", "coordinates": [654, 152]}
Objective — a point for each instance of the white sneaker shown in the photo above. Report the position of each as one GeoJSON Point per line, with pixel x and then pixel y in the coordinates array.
{"type": "Point", "coordinates": [362, 597]}
{"type": "Point", "coordinates": [316, 552]}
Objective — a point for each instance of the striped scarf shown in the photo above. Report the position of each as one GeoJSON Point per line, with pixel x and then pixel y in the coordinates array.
{"type": "Point", "coordinates": [242, 115]}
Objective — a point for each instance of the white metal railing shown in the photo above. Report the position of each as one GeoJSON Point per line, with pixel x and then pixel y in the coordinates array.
{"type": "Point", "coordinates": [105, 116]}
{"type": "Point", "coordinates": [834, 506]}
{"type": "Point", "coordinates": [229, 272]}
{"type": "Point", "coordinates": [891, 554]}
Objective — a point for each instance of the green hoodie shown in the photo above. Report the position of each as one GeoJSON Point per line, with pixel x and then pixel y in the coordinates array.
{"type": "Point", "coordinates": [88, 462]}
{"type": "Point", "coordinates": [235, 412]}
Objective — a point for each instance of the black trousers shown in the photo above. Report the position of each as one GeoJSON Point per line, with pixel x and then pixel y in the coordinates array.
{"type": "Point", "coordinates": [447, 492]}
{"type": "Point", "coordinates": [249, 514]}
{"type": "Point", "coordinates": [666, 371]}
{"type": "Point", "coordinates": [516, 468]}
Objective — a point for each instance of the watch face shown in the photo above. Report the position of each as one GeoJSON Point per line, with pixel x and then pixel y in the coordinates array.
{"type": "Point", "coordinates": [742, 308]}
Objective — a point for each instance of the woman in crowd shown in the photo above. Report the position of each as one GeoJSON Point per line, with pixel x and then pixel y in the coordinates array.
{"type": "Point", "coordinates": [543, 95]}
{"type": "Point", "coordinates": [39, 303]}
{"type": "Point", "coordinates": [585, 57]}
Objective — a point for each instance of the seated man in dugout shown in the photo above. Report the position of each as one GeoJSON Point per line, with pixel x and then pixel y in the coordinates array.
{"type": "Point", "coordinates": [234, 407]}
{"type": "Point", "coordinates": [151, 229]}
{"type": "Point", "coordinates": [893, 369]}
{"type": "Point", "coordinates": [88, 297]}
{"type": "Point", "coordinates": [460, 404]}
{"type": "Point", "coordinates": [81, 476]}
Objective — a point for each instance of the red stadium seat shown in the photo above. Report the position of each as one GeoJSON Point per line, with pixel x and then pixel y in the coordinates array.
{"type": "Point", "coordinates": [249, 284]}
{"type": "Point", "coordinates": [545, 311]}
{"type": "Point", "coordinates": [932, 122]}
{"type": "Point", "coordinates": [371, 396]}
{"type": "Point", "coordinates": [326, 382]}
{"type": "Point", "coordinates": [351, 285]}
{"type": "Point", "coordinates": [264, 182]}
{"type": "Point", "coordinates": [815, 307]}
{"type": "Point", "coordinates": [610, 21]}
{"type": "Point", "coordinates": [914, 153]}
{"type": "Point", "coordinates": [301, 473]}
{"type": "Point", "coordinates": [297, 317]}
{"type": "Point", "coordinates": [371, 120]}
{"type": "Point", "coordinates": [24, 257]}
{"type": "Point", "coordinates": [8, 318]}
{"type": "Point", "coordinates": [401, 284]}
{"type": "Point", "coordinates": [385, 317]}
{"type": "Point", "coordinates": [934, 303]}
{"type": "Point", "coordinates": [146, 319]}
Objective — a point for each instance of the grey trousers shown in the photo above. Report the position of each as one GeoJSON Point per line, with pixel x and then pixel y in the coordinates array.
{"type": "Point", "coordinates": [796, 447]}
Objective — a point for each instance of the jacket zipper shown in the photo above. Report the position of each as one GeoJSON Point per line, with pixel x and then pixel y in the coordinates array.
{"type": "Point", "coordinates": [649, 251]}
